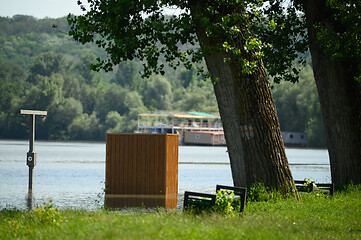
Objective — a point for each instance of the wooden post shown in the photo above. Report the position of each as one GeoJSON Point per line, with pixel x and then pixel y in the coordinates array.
{"type": "Point", "coordinates": [31, 155]}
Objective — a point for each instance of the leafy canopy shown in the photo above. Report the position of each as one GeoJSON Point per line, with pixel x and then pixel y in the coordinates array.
{"type": "Point", "coordinates": [338, 34]}
{"type": "Point", "coordinates": [273, 30]}
{"type": "Point", "coordinates": [140, 30]}
{"type": "Point", "coordinates": [343, 40]}
{"type": "Point", "coordinates": [137, 29]}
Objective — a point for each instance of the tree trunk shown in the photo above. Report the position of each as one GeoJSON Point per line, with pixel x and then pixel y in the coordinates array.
{"type": "Point", "coordinates": [249, 118]}
{"type": "Point", "coordinates": [340, 99]}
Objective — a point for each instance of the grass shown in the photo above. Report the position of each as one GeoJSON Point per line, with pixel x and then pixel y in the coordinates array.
{"type": "Point", "coordinates": [314, 217]}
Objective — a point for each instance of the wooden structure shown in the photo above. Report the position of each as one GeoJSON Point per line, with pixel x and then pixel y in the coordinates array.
{"type": "Point", "coordinates": [141, 170]}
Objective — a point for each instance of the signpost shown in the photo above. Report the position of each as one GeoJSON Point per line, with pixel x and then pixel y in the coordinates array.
{"type": "Point", "coordinates": [31, 155]}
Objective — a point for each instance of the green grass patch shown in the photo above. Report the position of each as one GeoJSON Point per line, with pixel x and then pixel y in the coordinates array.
{"type": "Point", "coordinates": [316, 216]}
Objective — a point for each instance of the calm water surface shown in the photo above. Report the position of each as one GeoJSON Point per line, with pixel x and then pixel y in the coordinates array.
{"type": "Point", "coordinates": [73, 173]}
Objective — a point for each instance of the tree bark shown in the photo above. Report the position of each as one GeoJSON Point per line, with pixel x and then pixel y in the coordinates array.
{"type": "Point", "coordinates": [340, 100]}
{"type": "Point", "coordinates": [249, 118]}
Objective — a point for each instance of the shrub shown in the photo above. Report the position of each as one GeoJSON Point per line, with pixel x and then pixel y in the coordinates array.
{"type": "Point", "coordinates": [46, 213]}
{"type": "Point", "coordinates": [257, 192]}
{"type": "Point", "coordinates": [225, 203]}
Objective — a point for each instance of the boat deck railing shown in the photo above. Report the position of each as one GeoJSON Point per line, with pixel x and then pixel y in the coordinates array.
{"type": "Point", "coordinates": [193, 125]}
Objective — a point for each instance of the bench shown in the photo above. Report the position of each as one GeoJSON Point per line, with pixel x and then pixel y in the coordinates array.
{"type": "Point", "coordinates": [205, 200]}
{"type": "Point", "coordinates": [308, 186]}
{"type": "Point", "coordinates": [202, 200]}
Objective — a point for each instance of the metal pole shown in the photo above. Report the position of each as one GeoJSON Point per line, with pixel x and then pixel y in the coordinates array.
{"type": "Point", "coordinates": [32, 133]}
{"type": "Point", "coordinates": [31, 148]}
{"type": "Point", "coordinates": [31, 177]}
{"type": "Point", "coordinates": [29, 199]}
{"type": "Point", "coordinates": [31, 155]}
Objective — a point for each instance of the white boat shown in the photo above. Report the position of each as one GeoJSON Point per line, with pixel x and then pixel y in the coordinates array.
{"type": "Point", "coordinates": [199, 128]}
{"type": "Point", "coordinates": [193, 127]}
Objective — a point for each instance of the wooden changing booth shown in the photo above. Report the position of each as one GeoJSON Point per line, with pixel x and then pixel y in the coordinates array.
{"type": "Point", "coordinates": [141, 170]}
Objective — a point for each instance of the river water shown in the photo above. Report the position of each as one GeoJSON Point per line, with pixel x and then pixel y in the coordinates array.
{"type": "Point", "coordinates": [73, 173]}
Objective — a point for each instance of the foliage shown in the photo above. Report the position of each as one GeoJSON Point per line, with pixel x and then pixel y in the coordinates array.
{"type": "Point", "coordinates": [350, 189]}
{"type": "Point", "coordinates": [315, 217]}
{"type": "Point", "coordinates": [342, 41]}
{"type": "Point", "coordinates": [287, 33]}
{"type": "Point", "coordinates": [259, 193]}
{"type": "Point", "coordinates": [47, 214]}
{"type": "Point", "coordinates": [298, 107]}
{"type": "Point", "coordinates": [269, 30]}
{"type": "Point", "coordinates": [225, 203]}
{"type": "Point", "coordinates": [44, 69]}
{"type": "Point", "coordinates": [140, 38]}
{"type": "Point", "coordinates": [148, 35]}
{"type": "Point", "coordinates": [158, 94]}
{"type": "Point", "coordinates": [199, 209]}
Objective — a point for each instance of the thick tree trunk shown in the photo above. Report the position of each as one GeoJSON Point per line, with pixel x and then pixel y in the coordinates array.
{"type": "Point", "coordinates": [249, 118]}
{"type": "Point", "coordinates": [340, 99]}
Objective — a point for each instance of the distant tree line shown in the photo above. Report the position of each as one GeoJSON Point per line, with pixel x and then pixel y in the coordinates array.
{"type": "Point", "coordinates": [42, 68]}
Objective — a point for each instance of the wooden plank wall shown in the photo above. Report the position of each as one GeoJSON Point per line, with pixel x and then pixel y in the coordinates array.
{"type": "Point", "coordinates": [172, 172]}
{"type": "Point", "coordinates": [142, 169]}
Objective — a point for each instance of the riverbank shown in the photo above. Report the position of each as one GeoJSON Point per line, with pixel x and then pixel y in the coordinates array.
{"type": "Point", "coordinates": [314, 217]}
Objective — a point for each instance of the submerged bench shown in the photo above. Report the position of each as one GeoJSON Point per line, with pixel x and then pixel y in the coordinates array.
{"type": "Point", "coordinates": [198, 199]}
{"type": "Point", "coordinates": [205, 200]}
{"type": "Point", "coordinates": [310, 186]}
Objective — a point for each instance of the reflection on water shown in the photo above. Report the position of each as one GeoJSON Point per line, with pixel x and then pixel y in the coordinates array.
{"type": "Point", "coordinates": [73, 174]}
{"type": "Point", "coordinates": [29, 199]}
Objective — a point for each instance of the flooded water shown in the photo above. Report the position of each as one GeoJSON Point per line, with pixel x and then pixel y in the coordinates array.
{"type": "Point", "coordinates": [73, 173]}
